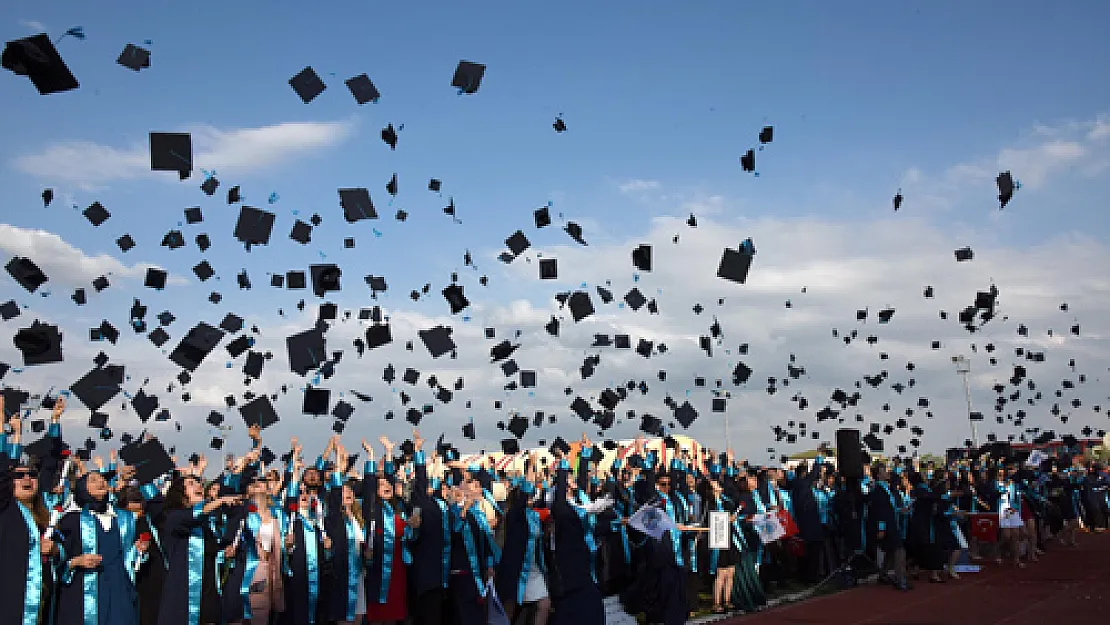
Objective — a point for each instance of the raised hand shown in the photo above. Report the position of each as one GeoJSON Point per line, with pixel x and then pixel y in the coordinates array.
{"type": "Point", "coordinates": [59, 408]}
{"type": "Point", "coordinates": [417, 440]}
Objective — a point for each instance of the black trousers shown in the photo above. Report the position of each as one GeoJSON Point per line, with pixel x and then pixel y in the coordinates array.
{"type": "Point", "coordinates": [427, 608]}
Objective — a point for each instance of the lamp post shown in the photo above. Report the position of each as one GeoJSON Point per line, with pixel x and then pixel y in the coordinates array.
{"type": "Point", "coordinates": [963, 367]}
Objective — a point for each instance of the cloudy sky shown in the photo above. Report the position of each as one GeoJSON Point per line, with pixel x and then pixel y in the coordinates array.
{"type": "Point", "coordinates": [866, 99]}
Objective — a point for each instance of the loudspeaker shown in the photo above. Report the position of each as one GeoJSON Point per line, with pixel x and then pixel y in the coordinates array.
{"type": "Point", "coordinates": [849, 454]}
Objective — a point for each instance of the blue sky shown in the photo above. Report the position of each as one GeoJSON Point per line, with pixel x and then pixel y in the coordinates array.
{"type": "Point", "coordinates": [865, 97]}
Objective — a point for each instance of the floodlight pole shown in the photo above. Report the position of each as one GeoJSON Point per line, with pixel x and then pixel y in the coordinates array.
{"type": "Point", "coordinates": [963, 367]}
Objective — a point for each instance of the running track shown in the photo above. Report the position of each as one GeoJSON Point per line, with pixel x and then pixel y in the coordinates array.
{"type": "Point", "coordinates": [1068, 585]}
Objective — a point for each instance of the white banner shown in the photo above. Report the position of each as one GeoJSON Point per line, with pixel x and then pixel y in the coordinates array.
{"type": "Point", "coordinates": [719, 530]}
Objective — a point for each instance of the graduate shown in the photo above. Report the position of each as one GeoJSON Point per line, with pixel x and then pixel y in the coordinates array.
{"type": "Point", "coordinates": [101, 554]}
{"type": "Point", "coordinates": [390, 532]}
{"type": "Point", "coordinates": [521, 573]}
{"type": "Point", "coordinates": [26, 569]}
{"type": "Point", "coordinates": [345, 597]}
{"type": "Point", "coordinates": [577, 598]}
{"type": "Point", "coordinates": [191, 544]}
{"type": "Point", "coordinates": [474, 553]}
{"type": "Point", "coordinates": [307, 551]}
{"type": "Point", "coordinates": [431, 546]}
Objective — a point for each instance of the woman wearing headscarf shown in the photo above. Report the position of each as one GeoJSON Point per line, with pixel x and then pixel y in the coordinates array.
{"type": "Point", "coordinates": [25, 569]}
{"type": "Point", "coordinates": [431, 547]}
{"type": "Point", "coordinates": [101, 554]}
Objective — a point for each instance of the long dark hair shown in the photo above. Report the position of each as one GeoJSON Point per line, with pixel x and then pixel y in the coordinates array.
{"type": "Point", "coordinates": [175, 495]}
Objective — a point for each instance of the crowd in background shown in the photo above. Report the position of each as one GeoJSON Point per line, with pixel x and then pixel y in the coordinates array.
{"type": "Point", "coordinates": [411, 534]}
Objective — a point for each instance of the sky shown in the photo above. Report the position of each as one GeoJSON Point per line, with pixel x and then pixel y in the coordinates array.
{"type": "Point", "coordinates": [660, 100]}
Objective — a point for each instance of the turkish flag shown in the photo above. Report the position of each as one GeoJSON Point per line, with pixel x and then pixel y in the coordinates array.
{"type": "Point", "coordinates": [984, 526]}
{"type": "Point", "coordinates": [788, 524]}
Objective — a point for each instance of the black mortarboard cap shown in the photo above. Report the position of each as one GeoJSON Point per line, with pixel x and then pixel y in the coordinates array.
{"type": "Point", "coordinates": [134, 58]}
{"type": "Point", "coordinates": [356, 204]}
{"type": "Point", "coordinates": [641, 257]}
{"type": "Point", "coordinates": [96, 213]}
{"type": "Point", "coordinates": [542, 216]}
{"type": "Point", "coordinates": [26, 273]}
{"type": "Point", "coordinates": [96, 388]}
{"type": "Point", "coordinates": [325, 278]}
{"type": "Point", "coordinates": [747, 161]}
{"type": "Point", "coordinates": [307, 351]}
{"type": "Point", "coordinates": [363, 89]}
{"type": "Point", "coordinates": [510, 446]}
{"type": "Point", "coordinates": [767, 134]}
{"type": "Point", "coordinates": [195, 346]}
{"type": "Point", "coordinates": [580, 305]}
{"type": "Point", "coordinates": [302, 232]}
{"type": "Point", "coordinates": [549, 269]}
{"type": "Point", "coordinates": [964, 254]}
{"type": "Point", "coordinates": [455, 298]}
{"type": "Point", "coordinates": [389, 135]}
{"type": "Point", "coordinates": [171, 151]}
{"type": "Point", "coordinates": [125, 243]}
{"type": "Point", "coordinates": [316, 401]}
{"type": "Point", "coordinates": [40, 343]}
{"type": "Point", "coordinates": [437, 340]}
{"type": "Point", "coordinates": [9, 310]}
{"type": "Point", "coordinates": [735, 264]}
{"type": "Point", "coordinates": [36, 58]}
{"type": "Point", "coordinates": [1006, 187]}
{"type": "Point", "coordinates": [254, 226]}
{"type": "Point", "coordinates": [259, 411]}
{"type": "Point", "coordinates": [307, 84]}
{"type": "Point", "coordinates": [149, 459]}
{"type": "Point", "coordinates": [468, 76]}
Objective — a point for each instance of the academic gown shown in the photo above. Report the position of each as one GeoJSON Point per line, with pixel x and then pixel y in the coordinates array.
{"type": "Point", "coordinates": [151, 577]}
{"type": "Point", "coordinates": [304, 573]}
{"type": "Point", "coordinates": [575, 595]}
{"type": "Point", "coordinates": [340, 598]}
{"type": "Point", "coordinates": [882, 516]}
{"type": "Point", "coordinates": [523, 543]}
{"type": "Point", "coordinates": [27, 579]}
{"type": "Point", "coordinates": [387, 535]}
{"type": "Point", "coordinates": [430, 547]}
{"type": "Point", "coordinates": [110, 588]}
{"type": "Point", "coordinates": [472, 552]}
{"type": "Point", "coordinates": [191, 545]}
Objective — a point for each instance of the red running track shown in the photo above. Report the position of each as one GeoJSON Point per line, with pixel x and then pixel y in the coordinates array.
{"type": "Point", "coordinates": [1068, 585]}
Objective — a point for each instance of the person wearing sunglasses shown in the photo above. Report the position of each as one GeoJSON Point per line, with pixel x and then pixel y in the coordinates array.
{"type": "Point", "coordinates": [26, 565]}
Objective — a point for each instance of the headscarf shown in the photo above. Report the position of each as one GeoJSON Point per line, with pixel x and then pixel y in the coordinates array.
{"type": "Point", "coordinates": [85, 500]}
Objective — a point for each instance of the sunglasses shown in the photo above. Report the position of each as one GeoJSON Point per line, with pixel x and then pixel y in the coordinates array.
{"type": "Point", "coordinates": [26, 475]}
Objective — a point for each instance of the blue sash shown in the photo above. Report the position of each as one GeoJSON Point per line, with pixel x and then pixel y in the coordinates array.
{"type": "Point", "coordinates": [389, 531]}
{"type": "Point", "coordinates": [196, 564]}
{"type": "Point", "coordinates": [354, 567]}
{"type": "Point", "coordinates": [463, 527]}
{"type": "Point", "coordinates": [89, 544]}
{"type": "Point", "coordinates": [312, 566]}
{"type": "Point", "coordinates": [32, 594]}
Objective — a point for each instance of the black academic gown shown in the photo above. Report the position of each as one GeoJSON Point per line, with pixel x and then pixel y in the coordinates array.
{"type": "Point", "coordinates": [151, 576]}
{"type": "Point", "coordinates": [15, 545]}
{"type": "Point", "coordinates": [882, 515]}
{"type": "Point", "coordinates": [576, 597]}
{"type": "Point", "coordinates": [182, 528]}
{"type": "Point", "coordinates": [116, 599]}
{"type": "Point", "coordinates": [298, 606]}
{"type": "Point", "coordinates": [430, 547]}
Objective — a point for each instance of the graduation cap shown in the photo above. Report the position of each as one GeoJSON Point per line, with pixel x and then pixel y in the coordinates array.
{"type": "Point", "coordinates": [641, 257]}
{"type": "Point", "coordinates": [356, 204]}
{"type": "Point", "coordinates": [307, 84]}
{"type": "Point", "coordinates": [196, 345]}
{"type": "Point", "coordinates": [747, 161]}
{"type": "Point", "coordinates": [1006, 186]}
{"type": "Point", "coordinates": [26, 273]}
{"type": "Point", "coordinates": [363, 89]}
{"type": "Point", "coordinates": [468, 77]}
{"type": "Point", "coordinates": [389, 135]}
{"type": "Point", "coordinates": [735, 264]}
{"type": "Point", "coordinates": [559, 125]}
{"type": "Point", "coordinates": [254, 226]}
{"type": "Point", "coordinates": [964, 254]}
{"type": "Point", "coordinates": [766, 135]}
{"type": "Point", "coordinates": [149, 459]}
{"type": "Point", "coordinates": [134, 57]}
{"type": "Point", "coordinates": [40, 344]}
{"type": "Point", "coordinates": [171, 151]}
{"type": "Point", "coordinates": [36, 58]}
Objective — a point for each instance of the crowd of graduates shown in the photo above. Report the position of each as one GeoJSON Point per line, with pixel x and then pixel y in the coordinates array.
{"type": "Point", "coordinates": [414, 535]}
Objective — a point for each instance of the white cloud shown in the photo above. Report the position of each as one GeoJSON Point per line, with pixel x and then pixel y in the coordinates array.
{"type": "Point", "coordinates": [1048, 151]}
{"type": "Point", "coordinates": [62, 262]}
{"type": "Point", "coordinates": [91, 165]}
{"type": "Point", "coordinates": [842, 267]}
{"type": "Point", "coordinates": [638, 186]}
{"type": "Point", "coordinates": [33, 26]}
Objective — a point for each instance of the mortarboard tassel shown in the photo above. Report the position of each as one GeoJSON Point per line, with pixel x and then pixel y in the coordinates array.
{"type": "Point", "coordinates": [77, 32]}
